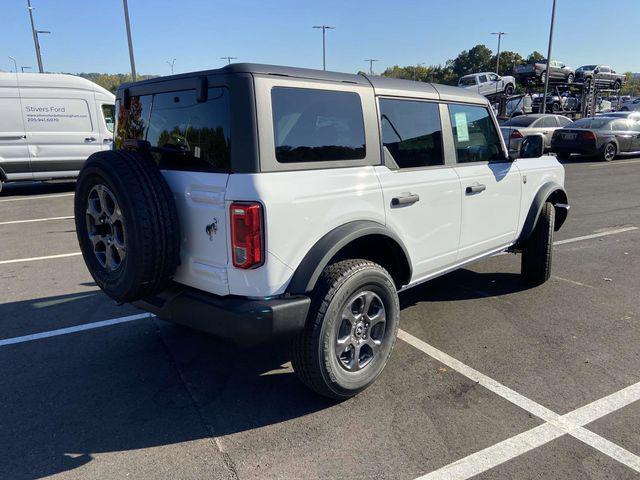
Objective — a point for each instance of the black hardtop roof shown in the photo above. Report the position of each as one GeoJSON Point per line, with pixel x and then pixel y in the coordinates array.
{"type": "Point", "coordinates": [377, 82]}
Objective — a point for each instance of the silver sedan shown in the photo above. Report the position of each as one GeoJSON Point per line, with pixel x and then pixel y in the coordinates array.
{"type": "Point", "coordinates": [515, 129]}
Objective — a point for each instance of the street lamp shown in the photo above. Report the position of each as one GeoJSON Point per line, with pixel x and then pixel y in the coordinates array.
{"type": "Point", "coordinates": [324, 44]}
{"type": "Point", "coordinates": [128, 26]}
{"type": "Point", "coordinates": [171, 63]}
{"type": "Point", "coordinates": [36, 38]}
{"type": "Point", "coordinates": [228, 59]}
{"type": "Point", "coordinates": [371, 60]}
{"type": "Point", "coordinates": [499, 34]}
{"type": "Point", "coordinates": [546, 79]}
{"type": "Point", "coordinates": [15, 64]}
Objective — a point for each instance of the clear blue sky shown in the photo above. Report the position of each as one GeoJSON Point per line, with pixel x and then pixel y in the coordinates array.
{"type": "Point", "coordinates": [89, 35]}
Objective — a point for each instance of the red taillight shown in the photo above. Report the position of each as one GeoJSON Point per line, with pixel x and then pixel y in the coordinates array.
{"type": "Point", "coordinates": [588, 135]}
{"type": "Point", "coordinates": [247, 242]}
{"type": "Point", "coordinates": [516, 134]}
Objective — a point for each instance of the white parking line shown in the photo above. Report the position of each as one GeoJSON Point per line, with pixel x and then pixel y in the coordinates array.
{"type": "Point", "coordinates": [595, 235]}
{"type": "Point", "coordinates": [76, 328]}
{"type": "Point", "coordinates": [33, 259]}
{"type": "Point", "coordinates": [615, 162]}
{"type": "Point", "coordinates": [13, 222]}
{"type": "Point", "coordinates": [36, 197]}
{"type": "Point", "coordinates": [554, 427]}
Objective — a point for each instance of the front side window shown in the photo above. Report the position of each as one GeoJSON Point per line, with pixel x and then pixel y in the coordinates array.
{"type": "Point", "coordinates": [109, 115]}
{"type": "Point", "coordinates": [189, 135]}
{"type": "Point", "coordinates": [317, 125]}
{"type": "Point", "coordinates": [411, 132]}
{"type": "Point", "coordinates": [493, 77]}
{"type": "Point", "coordinates": [474, 134]}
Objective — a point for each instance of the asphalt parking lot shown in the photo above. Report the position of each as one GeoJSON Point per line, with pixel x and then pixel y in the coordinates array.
{"type": "Point", "coordinates": [488, 380]}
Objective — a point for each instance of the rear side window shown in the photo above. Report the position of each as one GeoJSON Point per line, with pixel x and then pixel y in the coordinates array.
{"type": "Point", "coordinates": [317, 125]}
{"type": "Point", "coordinates": [548, 122]}
{"type": "Point", "coordinates": [564, 121]}
{"type": "Point", "coordinates": [412, 132]}
{"type": "Point", "coordinates": [474, 134]}
{"type": "Point", "coordinates": [132, 123]}
{"type": "Point", "coordinates": [190, 135]}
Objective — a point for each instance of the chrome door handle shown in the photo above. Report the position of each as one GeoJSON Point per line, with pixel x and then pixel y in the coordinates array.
{"type": "Point", "coordinates": [405, 200]}
{"type": "Point", "coordinates": [89, 139]}
{"type": "Point", "coordinates": [477, 188]}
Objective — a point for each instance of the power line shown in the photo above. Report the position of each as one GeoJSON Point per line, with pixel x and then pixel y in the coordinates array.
{"type": "Point", "coordinates": [371, 60]}
{"type": "Point", "coordinates": [228, 59]}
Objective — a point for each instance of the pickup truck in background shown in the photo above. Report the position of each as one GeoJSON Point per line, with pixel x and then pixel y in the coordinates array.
{"type": "Point", "coordinates": [488, 83]}
{"type": "Point", "coordinates": [603, 74]}
{"type": "Point", "coordinates": [537, 72]}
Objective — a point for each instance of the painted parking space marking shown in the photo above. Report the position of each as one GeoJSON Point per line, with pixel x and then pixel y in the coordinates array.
{"type": "Point", "coordinates": [615, 162]}
{"type": "Point", "coordinates": [14, 222]}
{"type": "Point", "coordinates": [74, 329]}
{"type": "Point", "coordinates": [36, 197]}
{"type": "Point", "coordinates": [595, 235]}
{"type": "Point", "coordinates": [554, 427]}
{"type": "Point", "coordinates": [35, 259]}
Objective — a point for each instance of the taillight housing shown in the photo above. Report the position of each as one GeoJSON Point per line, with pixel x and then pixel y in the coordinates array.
{"type": "Point", "coordinates": [588, 135]}
{"type": "Point", "coordinates": [247, 234]}
{"type": "Point", "coordinates": [516, 134]}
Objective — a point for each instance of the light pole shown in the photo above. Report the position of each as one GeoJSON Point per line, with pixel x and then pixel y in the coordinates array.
{"type": "Point", "coordinates": [171, 63]}
{"type": "Point", "coordinates": [228, 59]}
{"type": "Point", "coordinates": [546, 79]}
{"type": "Point", "coordinates": [128, 25]}
{"type": "Point", "coordinates": [324, 43]}
{"type": "Point", "coordinates": [36, 39]}
{"type": "Point", "coordinates": [499, 34]}
{"type": "Point", "coordinates": [371, 60]}
{"type": "Point", "coordinates": [15, 64]}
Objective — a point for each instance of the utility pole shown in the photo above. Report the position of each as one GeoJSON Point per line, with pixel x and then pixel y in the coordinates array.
{"type": "Point", "coordinates": [324, 43]}
{"type": "Point", "coordinates": [546, 79]}
{"type": "Point", "coordinates": [499, 34]}
{"type": "Point", "coordinates": [171, 63]}
{"type": "Point", "coordinates": [15, 64]}
{"type": "Point", "coordinates": [228, 59]}
{"type": "Point", "coordinates": [371, 60]}
{"type": "Point", "coordinates": [128, 25]}
{"type": "Point", "coordinates": [36, 39]}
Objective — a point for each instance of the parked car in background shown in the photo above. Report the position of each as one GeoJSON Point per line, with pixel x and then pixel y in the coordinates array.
{"type": "Point", "coordinates": [556, 103]}
{"type": "Point", "coordinates": [557, 70]}
{"type": "Point", "coordinates": [514, 130]}
{"type": "Point", "coordinates": [519, 105]}
{"type": "Point", "coordinates": [635, 116]}
{"type": "Point", "coordinates": [50, 124]}
{"type": "Point", "coordinates": [633, 104]}
{"type": "Point", "coordinates": [604, 76]}
{"type": "Point", "coordinates": [603, 136]}
{"type": "Point", "coordinates": [488, 83]}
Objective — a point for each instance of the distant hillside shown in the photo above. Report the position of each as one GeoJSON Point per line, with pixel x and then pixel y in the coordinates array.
{"type": "Point", "coordinates": [111, 81]}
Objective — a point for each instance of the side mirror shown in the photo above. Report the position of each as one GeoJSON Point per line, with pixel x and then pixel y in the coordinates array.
{"type": "Point", "coordinates": [596, 71]}
{"type": "Point", "coordinates": [532, 146]}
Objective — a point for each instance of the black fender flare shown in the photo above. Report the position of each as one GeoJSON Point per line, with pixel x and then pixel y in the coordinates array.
{"type": "Point", "coordinates": [308, 271]}
{"type": "Point", "coordinates": [558, 196]}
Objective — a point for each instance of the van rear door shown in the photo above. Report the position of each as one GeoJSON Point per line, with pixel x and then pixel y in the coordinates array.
{"type": "Point", "coordinates": [14, 154]}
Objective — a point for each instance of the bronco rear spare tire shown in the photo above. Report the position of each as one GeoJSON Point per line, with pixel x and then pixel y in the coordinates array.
{"type": "Point", "coordinates": [127, 224]}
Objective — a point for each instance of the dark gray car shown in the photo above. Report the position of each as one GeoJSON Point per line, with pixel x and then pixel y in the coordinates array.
{"type": "Point", "coordinates": [605, 137]}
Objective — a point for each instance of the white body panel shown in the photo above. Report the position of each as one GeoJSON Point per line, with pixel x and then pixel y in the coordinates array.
{"type": "Point", "coordinates": [63, 123]}
{"type": "Point", "coordinates": [488, 83]}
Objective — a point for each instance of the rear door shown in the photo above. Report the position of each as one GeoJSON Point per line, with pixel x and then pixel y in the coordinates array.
{"type": "Point", "coordinates": [624, 135]}
{"type": "Point", "coordinates": [490, 184]}
{"type": "Point", "coordinates": [484, 86]}
{"type": "Point", "coordinates": [421, 191]}
{"type": "Point", "coordinates": [547, 125]}
{"type": "Point", "coordinates": [191, 141]}
{"type": "Point", "coordinates": [14, 154]}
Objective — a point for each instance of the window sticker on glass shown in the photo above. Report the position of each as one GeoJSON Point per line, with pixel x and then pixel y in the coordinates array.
{"type": "Point", "coordinates": [462, 132]}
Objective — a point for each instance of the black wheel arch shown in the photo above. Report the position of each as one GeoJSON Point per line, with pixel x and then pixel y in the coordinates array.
{"type": "Point", "coordinates": [549, 192]}
{"type": "Point", "coordinates": [361, 239]}
{"type": "Point", "coordinates": [3, 175]}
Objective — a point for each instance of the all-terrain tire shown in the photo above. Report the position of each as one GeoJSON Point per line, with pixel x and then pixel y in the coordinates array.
{"type": "Point", "coordinates": [538, 248]}
{"type": "Point", "coordinates": [314, 356]}
{"type": "Point", "coordinates": [149, 223]}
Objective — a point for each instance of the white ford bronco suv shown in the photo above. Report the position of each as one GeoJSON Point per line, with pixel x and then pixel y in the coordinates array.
{"type": "Point", "coordinates": [259, 202]}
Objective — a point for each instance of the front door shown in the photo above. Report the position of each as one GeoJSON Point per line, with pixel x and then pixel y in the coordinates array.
{"type": "Point", "coordinates": [14, 154]}
{"type": "Point", "coordinates": [421, 191]}
{"type": "Point", "coordinates": [490, 185]}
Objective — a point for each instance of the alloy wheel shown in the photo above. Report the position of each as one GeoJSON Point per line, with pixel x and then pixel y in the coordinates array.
{"type": "Point", "coordinates": [105, 227]}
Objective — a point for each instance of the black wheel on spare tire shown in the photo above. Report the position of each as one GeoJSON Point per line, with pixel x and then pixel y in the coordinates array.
{"type": "Point", "coordinates": [537, 249]}
{"type": "Point", "coordinates": [127, 224]}
{"type": "Point", "coordinates": [351, 329]}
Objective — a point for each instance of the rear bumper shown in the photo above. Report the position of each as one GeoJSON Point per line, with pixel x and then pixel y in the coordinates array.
{"type": "Point", "coordinates": [239, 319]}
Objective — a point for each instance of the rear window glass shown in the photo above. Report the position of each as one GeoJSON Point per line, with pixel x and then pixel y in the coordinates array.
{"type": "Point", "coordinates": [520, 121]}
{"type": "Point", "coordinates": [592, 123]}
{"type": "Point", "coordinates": [411, 132]}
{"type": "Point", "coordinates": [191, 135]}
{"type": "Point", "coordinates": [467, 81]}
{"type": "Point", "coordinates": [317, 125]}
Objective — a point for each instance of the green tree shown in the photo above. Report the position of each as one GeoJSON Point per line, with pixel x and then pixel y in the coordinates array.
{"type": "Point", "coordinates": [535, 57]}
{"type": "Point", "coordinates": [507, 61]}
{"type": "Point", "coordinates": [478, 59]}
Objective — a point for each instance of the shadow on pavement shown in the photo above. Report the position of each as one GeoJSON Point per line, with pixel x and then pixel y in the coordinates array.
{"type": "Point", "coordinates": [36, 188]}
{"type": "Point", "coordinates": [149, 383]}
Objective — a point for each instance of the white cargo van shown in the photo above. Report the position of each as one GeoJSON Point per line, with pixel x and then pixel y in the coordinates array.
{"type": "Point", "coordinates": [50, 124]}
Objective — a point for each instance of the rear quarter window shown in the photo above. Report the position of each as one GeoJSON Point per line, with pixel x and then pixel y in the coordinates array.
{"type": "Point", "coordinates": [313, 125]}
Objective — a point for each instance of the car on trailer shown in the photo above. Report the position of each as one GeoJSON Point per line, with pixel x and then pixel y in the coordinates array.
{"type": "Point", "coordinates": [537, 72]}
{"type": "Point", "coordinates": [603, 76]}
{"type": "Point", "coordinates": [604, 137]}
{"type": "Point", "coordinates": [488, 84]}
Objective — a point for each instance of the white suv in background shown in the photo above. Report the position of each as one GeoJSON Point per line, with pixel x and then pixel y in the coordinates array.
{"type": "Point", "coordinates": [258, 202]}
{"type": "Point", "coordinates": [488, 84]}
